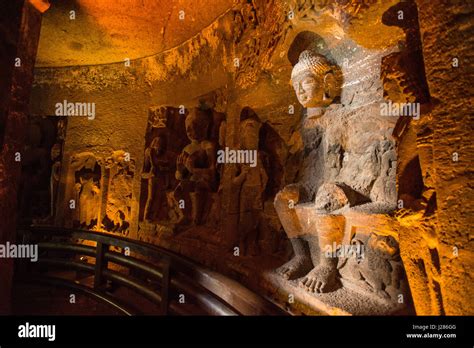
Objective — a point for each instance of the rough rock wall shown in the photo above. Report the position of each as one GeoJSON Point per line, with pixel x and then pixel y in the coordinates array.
{"type": "Point", "coordinates": [447, 33]}
{"type": "Point", "coordinates": [19, 34]}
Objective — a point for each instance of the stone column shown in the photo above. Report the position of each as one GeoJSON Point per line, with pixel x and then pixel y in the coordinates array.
{"type": "Point", "coordinates": [19, 36]}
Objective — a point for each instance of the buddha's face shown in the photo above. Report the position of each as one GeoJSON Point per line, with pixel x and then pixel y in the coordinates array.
{"type": "Point", "coordinates": [309, 89]}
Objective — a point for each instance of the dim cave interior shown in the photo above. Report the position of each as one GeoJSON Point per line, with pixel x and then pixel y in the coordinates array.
{"type": "Point", "coordinates": [298, 157]}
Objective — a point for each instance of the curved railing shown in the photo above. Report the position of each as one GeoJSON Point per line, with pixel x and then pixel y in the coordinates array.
{"type": "Point", "coordinates": [158, 275]}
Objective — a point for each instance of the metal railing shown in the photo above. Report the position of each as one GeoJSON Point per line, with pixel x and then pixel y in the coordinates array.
{"type": "Point", "coordinates": [148, 270]}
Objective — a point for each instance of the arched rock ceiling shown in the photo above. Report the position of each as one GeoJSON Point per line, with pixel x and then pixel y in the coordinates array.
{"type": "Point", "coordinates": [108, 31]}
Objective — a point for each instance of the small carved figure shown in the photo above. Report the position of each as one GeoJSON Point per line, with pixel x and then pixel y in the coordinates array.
{"type": "Point", "coordinates": [251, 181]}
{"type": "Point", "coordinates": [375, 269]}
{"type": "Point", "coordinates": [156, 171]}
{"type": "Point", "coordinates": [196, 167]}
{"type": "Point", "coordinates": [119, 193]}
{"type": "Point", "coordinates": [86, 187]}
{"type": "Point", "coordinates": [88, 193]}
{"type": "Point", "coordinates": [158, 118]}
{"type": "Point", "coordinates": [55, 174]}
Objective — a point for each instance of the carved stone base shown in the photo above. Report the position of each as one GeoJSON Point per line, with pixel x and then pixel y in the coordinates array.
{"type": "Point", "coordinates": [343, 301]}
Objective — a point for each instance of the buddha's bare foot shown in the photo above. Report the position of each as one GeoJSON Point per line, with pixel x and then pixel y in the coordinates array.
{"type": "Point", "coordinates": [321, 279]}
{"type": "Point", "coordinates": [295, 268]}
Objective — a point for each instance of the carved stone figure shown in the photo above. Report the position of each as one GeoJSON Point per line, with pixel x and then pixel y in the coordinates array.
{"type": "Point", "coordinates": [196, 167]}
{"type": "Point", "coordinates": [250, 181]}
{"type": "Point", "coordinates": [349, 162]}
{"type": "Point", "coordinates": [314, 82]}
{"type": "Point", "coordinates": [156, 171]}
{"type": "Point", "coordinates": [55, 174]}
{"type": "Point", "coordinates": [379, 270]}
{"type": "Point", "coordinates": [83, 160]}
{"type": "Point", "coordinates": [88, 196]}
{"type": "Point", "coordinates": [87, 188]}
{"type": "Point", "coordinates": [61, 129]}
{"type": "Point", "coordinates": [119, 195]}
{"type": "Point", "coordinates": [158, 117]}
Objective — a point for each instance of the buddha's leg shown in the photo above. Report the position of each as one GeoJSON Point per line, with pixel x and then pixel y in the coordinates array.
{"type": "Point", "coordinates": [323, 277]}
{"type": "Point", "coordinates": [301, 263]}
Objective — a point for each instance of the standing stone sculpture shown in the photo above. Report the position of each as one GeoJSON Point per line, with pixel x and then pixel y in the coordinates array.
{"type": "Point", "coordinates": [250, 181]}
{"type": "Point", "coordinates": [156, 171]}
{"type": "Point", "coordinates": [88, 195]}
{"type": "Point", "coordinates": [55, 175]}
{"type": "Point", "coordinates": [119, 192]}
{"type": "Point", "coordinates": [87, 189]}
{"type": "Point", "coordinates": [349, 163]}
{"type": "Point", "coordinates": [196, 168]}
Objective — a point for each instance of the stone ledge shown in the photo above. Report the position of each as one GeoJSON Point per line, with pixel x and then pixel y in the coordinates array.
{"type": "Point", "coordinates": [343, 301]}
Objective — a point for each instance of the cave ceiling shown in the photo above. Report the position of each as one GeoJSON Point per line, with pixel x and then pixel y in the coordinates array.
{"type": "Point", "coordinates": [109, 31]}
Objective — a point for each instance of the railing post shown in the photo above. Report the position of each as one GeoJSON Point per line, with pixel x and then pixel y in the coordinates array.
{"type": "Point", "coordinates": [165, 285]}
{"type": "Point", "coordinates": [100, 264]}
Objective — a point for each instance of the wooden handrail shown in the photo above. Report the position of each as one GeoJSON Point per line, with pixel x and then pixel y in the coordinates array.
{"type": "Point", "coordinates": [215, 293]}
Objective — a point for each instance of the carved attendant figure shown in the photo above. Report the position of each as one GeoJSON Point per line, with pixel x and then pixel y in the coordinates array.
{"type": "Point", "coordinates": [156, 171]}
{"type": "Point", "coordinates": [89, 200]}
{"type": "Point", "coordinates": [196, 166]}
{"type": "Point", "coordinates": [55, 173]}
{"type": "Point", "coordinates": [251, 181]}
{"type": "Point", "coordinates": [87, 189]}
{"type": "Point", "coordinates": [119, 196]}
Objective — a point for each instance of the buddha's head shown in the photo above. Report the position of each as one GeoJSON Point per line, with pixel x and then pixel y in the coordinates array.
{"type": "Point", "coordinates": [314, 81]}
